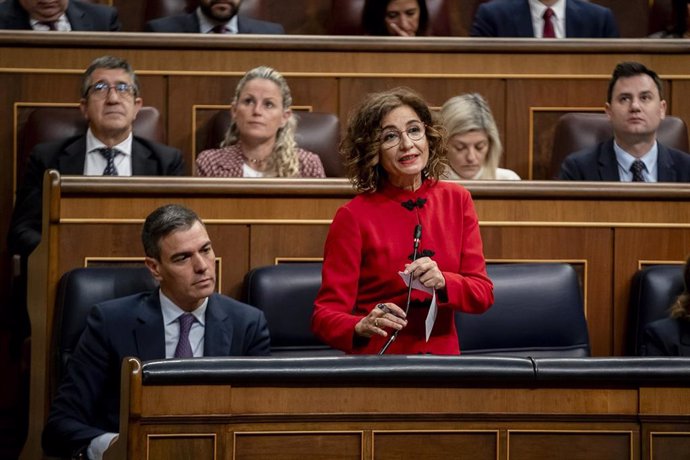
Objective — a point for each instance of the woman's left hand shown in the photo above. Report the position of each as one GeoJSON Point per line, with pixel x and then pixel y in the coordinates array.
{"type": "Point", "coordinates": [428, 273]}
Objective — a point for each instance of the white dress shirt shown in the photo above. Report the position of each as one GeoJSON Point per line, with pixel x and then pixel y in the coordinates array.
{"type": "Point", "coordinates": [95, 162]}
{"type": "Point", "coordinates": [625, 161]}
{"type": "Point", "coordinates": [537, 9]}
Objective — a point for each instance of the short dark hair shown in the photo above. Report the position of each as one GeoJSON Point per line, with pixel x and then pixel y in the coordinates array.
{"type": "Point", "coordinates": [162, 222]}
{"type": "Point", "coordinates": [107, 62]}
{"type": "Point", "coordinates": [632, 69]}
{"type": "Point", "coordinates": [374, 17]}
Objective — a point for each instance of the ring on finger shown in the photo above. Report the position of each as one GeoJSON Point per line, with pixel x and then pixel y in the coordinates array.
{"type": "Point", "coordinates": [376, 322]}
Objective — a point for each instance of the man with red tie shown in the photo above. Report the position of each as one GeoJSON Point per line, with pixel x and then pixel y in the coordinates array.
{"type": "Point", "coordinates": [543, 19]}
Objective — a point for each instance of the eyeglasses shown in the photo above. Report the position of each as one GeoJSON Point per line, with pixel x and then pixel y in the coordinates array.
{"type": "Point", "coordinates": [101, 89]}
{"type": "Point", "coordinates": [391, 137]}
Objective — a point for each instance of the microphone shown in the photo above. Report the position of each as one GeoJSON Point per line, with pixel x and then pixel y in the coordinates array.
{"type": "Point", "coordinates": [415, 241]}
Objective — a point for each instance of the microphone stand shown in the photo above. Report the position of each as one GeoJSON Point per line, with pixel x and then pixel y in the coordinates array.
{"type": "Point", "coordinates": [417, 237]}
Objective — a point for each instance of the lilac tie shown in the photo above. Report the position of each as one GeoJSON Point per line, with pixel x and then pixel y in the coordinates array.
{"type": "Point", "coordinates": [637, 168]}
{"type": "Point", "coordinates": [184, 348]}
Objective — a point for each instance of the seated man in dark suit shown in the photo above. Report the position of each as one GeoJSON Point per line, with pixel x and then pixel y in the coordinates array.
{"type": "Point", "coordinates": [182, 319]}
{"type": "Point", "coordinates": [110, 102]}
{"type": "Point", "coordinates": [60, 15]}
{"type": "Point", "coordinates": [543, 19]}
{"type": "Point", "coordinates": [214, 16]}
{"type": "Point", "coordinates": [635, 105]}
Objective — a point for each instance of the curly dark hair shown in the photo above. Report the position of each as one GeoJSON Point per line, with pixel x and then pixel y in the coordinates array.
{"type": "Point", "coordinates": [361, 146]}
{"type": "Point", "coordinates": [681, 307]}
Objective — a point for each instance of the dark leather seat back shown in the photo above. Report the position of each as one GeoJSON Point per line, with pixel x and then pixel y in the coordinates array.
{"type": "Point", "coordinates": [160, 8]}
{"type": "Point", "coordinates": [652, 292]}
{"type": "Point", "coordinates": [82, 288]}
{"type": "Point", "coordinates": [317, 132]}
{"type": "Point", "coordinates": [537, 312]}
{"type": "Point", "coordinates": [47, 124]}
{"type": "Point", "coordinates": [576, 131]}
{"type": "Point", "coordinates": [286, 294]}
{"type": "Point", "coordinates": [346, 17]}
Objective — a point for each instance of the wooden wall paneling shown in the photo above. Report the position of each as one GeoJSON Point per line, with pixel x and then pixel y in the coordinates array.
{"type": "Point", "coordinates": [287, 243]}
{"type": "Point", "coordinates": [581, 445]}
{"type": "Point", "coordinates": [588, 249]}
{"type": "Point", "coordinates": [484, 445]}
{"type": "Point", "coordinates": [530, 100]}
{"type": "Point", "coordinates": [283, 446]}
{"type": "Point", "coordinates": [131, 14]}
{"type": "Point", "coordinates": [676, 97]}
{"type": "Point", "coordinates": [635, 247]}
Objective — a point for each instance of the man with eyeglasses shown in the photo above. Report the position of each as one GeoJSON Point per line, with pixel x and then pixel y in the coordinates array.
{"type": "Point", "coordinates": [110, 101]}
{"type": "Point", "coordinates": [57, 15]}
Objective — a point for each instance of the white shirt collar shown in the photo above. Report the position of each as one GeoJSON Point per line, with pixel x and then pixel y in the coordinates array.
{"type": "Point", "coordinates": [93, 143]}
{"type": "Point", "coordinates": [206, 24]}
{"type": "Point", "coordinates": [62, 24]}
{"type": "Point", "coordinates": [625, 161]}
{"type": "Point", "coordinates": [537, 9]}
{"type": "Point", "coordinates": [171, 311]}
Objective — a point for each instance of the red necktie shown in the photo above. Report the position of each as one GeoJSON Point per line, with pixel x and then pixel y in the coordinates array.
{"type": "Point", "coordinates": [549, 31]}
{"type": "Point", "coordinates": [219, 29]}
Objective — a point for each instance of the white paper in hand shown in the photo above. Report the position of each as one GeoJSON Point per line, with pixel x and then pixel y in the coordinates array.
{"type": "Point", "coordinates": [433, 309]}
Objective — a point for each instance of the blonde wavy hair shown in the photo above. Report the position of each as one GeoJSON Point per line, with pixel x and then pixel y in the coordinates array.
{"type": "Point", "coordinates": [361, 147]}
{"type": "Point", "coordinates": [470, 112]}
{"type": "Point", "coordinates": [681, 307]}
{"type": "Point", "coordinates": [284, 159]}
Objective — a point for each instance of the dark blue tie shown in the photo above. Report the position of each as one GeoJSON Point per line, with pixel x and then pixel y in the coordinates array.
{"type": "Point", "coordinates": [109, 155]}
{"type": "Point", "coordinates": [636, 169]}
{"type": "Point", "coordinates": [184, 348]}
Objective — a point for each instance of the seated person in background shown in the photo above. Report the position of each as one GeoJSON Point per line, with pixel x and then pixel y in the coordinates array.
{"type": "Point", "coordinates": [110, 102]}
{"type": "Point", "coordinates": [635, 105]}
{"type": "Point", "coordinates": [671, 336]}
{"type": "Point", "coordinates": [474, 147]}
{"type": "Point", "coordinates": [260, 141]}
{"type": "Point", "coordinates": [678, 28]}
{"type": "Point", "coordinates": [60, 15]}
{"type": "Point", "coordinates": [393, 154]}
{"type": "Point", "coordinates": [182, 319]}
{"type": "Point", "coordinates": [214, 16]}
{"type": "Point", "coordinates": [404, 18]}
{"type": "Point", "coordinates": [543, 19]}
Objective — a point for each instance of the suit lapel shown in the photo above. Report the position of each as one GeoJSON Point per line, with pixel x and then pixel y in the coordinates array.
{"type": "Point", "coordinates": [143, 163]}
{"type": "Point", "coordinates": [73, 157]}
{"type": "Point", "coordinates": [665, 170]}
{"type": "Point", "coordinates": [608, 166]}
{"type": "Point", "coordinates": [574, 24]}
{"type": "Point", "coordinates": [150, 333]}
{"type": "Point", "coordinates": [78, 19]}
{"type": "Point", "coordinates": [523, 20]}
{"type": "Point", "coordinates": [217, 336]}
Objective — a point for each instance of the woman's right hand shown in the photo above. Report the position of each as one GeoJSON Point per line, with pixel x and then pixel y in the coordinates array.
{"type": "Point", "coordinates": [384, 315]}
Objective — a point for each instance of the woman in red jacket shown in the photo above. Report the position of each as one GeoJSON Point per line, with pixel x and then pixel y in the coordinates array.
{"type": "Point", "coordinates": [394, 155]}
